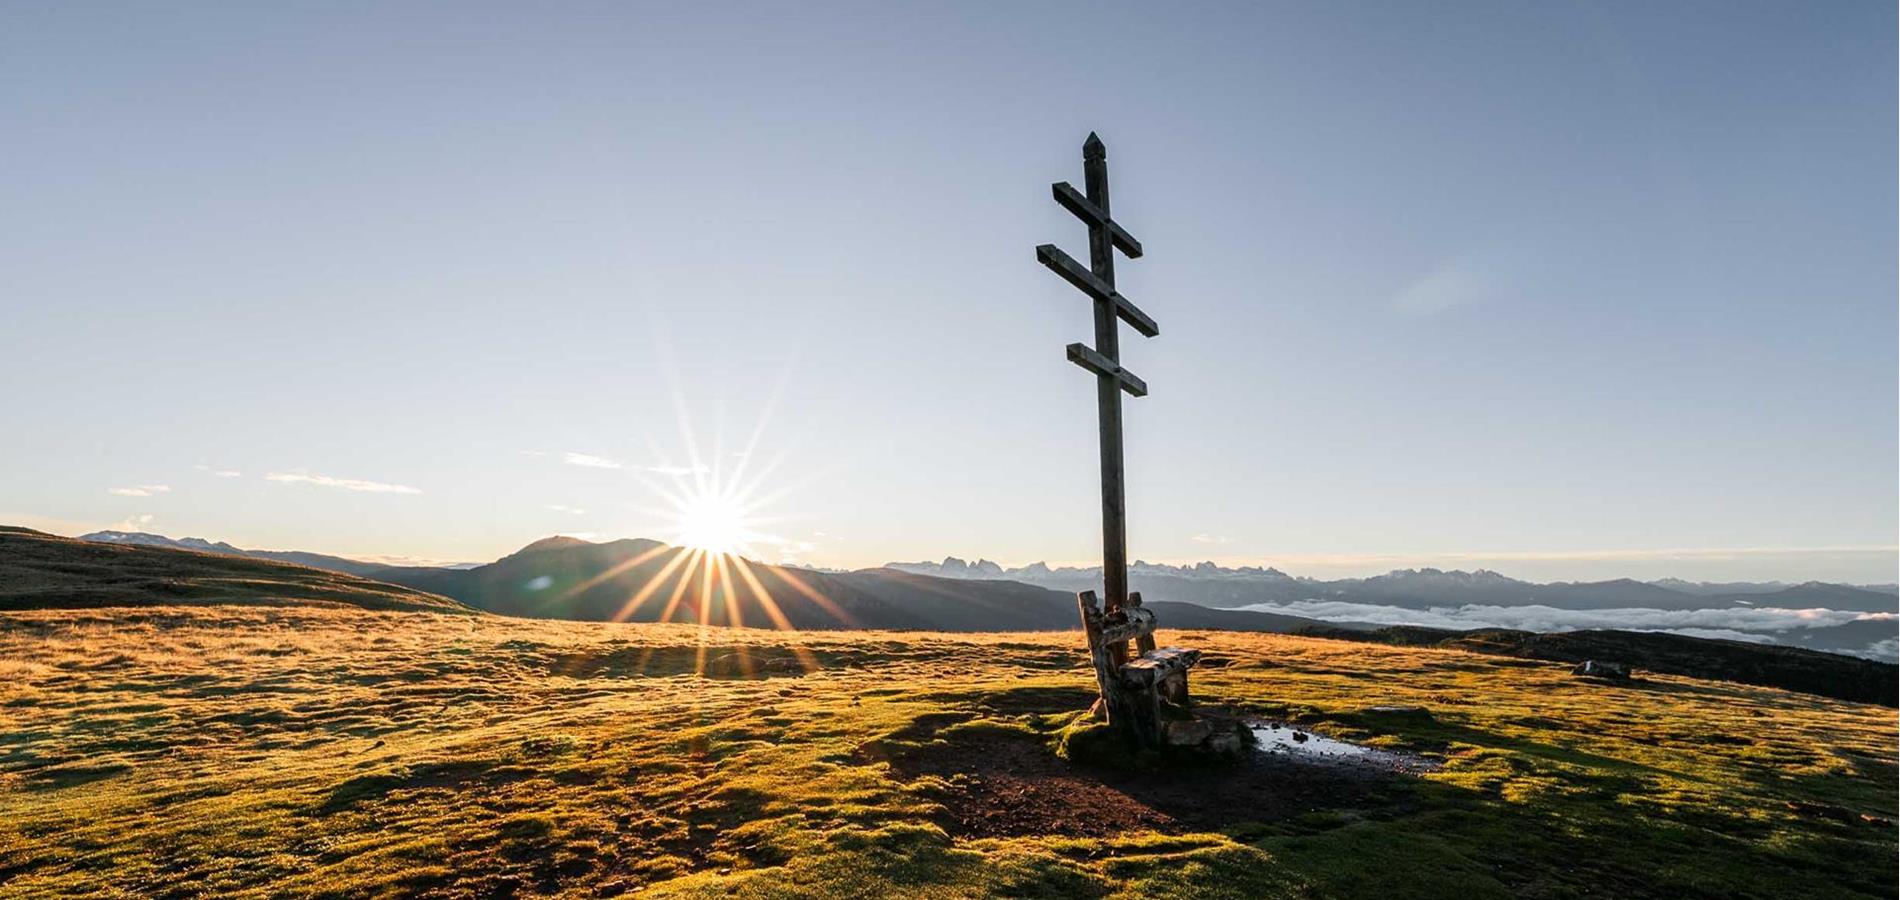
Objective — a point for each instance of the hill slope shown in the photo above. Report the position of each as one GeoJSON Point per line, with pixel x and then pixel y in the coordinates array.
{"type": "Point", "coordinates": [39, 570]}
{"type": "Point", "coordinates": [294, 557]}
{"type": "Point", "coordinates": [1789, 668]}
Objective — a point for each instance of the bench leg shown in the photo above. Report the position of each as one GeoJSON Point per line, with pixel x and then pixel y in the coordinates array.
{"type": "Point", "coordinates": [1174, 690]}
{"type": "Point", "coordinates": [1146, 718]}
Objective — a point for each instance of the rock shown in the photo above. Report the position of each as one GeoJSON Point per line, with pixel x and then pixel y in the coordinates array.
{"type": "Point", "coordinates": [1226, 743]}
{"type": "Point", "coordinates": [1189, 732]}
{"type": "Point", "coordinates": [1399, 711]}
{"type": "Point", "coordinates": [1591, 668]}
{"type": "Point", "coordinates": [1299, 737]}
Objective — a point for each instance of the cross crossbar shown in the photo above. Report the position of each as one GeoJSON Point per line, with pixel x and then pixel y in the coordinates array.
{"type": "Point", "coordinates": [1073, 201]}
{"type": "Point", "coordinates": [1086, 281]}
{"type": "Point", "coordinates": [1095, 362]}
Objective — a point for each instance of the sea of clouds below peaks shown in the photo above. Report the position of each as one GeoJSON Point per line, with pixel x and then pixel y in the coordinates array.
{"type": "Point", "coordinates": [1743, 623]}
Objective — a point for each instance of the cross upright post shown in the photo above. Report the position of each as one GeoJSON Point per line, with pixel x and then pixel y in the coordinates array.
{"type": "Point", "coordinates": [1104, 359]}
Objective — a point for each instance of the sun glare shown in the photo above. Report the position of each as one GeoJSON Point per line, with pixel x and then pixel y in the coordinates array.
{"type": "Point", "coordinates": [712, 523]}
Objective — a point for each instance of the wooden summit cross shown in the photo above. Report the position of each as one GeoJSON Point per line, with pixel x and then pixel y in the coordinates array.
{"type": "Point", "coordinates": [1132, 690]}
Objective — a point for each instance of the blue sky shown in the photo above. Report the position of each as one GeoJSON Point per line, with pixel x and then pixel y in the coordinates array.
{"type": "Point", "coordinates": [1568, 290]}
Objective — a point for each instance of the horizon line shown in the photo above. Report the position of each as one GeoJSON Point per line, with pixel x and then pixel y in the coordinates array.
{"type": "Point", "coordinates": [1282, 562]}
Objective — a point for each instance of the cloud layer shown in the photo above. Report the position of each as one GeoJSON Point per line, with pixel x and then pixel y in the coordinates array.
{"type": "Point", "coordinates": [1731, 620]}
{"type": "Point", "coordinates": [143, 490]}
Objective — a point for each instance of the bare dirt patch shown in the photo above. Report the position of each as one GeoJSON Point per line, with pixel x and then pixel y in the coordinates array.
{"type": "Point", "coordinates": [1002, 782]}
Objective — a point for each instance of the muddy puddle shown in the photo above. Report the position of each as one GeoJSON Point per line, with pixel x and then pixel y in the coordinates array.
{"type": "Point", "coordinates": [1282, 741]}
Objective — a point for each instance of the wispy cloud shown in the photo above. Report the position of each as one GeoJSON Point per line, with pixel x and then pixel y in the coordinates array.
{"type": "Point", "coordinates": [221, 473]}
{"type": "Point", "coordinates": [790, 550]}
{"type": "Point", "coordinates": [596, 461]}
{"type": "Point", "coordinates": [1457, 282]}
{"type": "Point", "coordinates": [347, 484]}
{"type": "Point", "coordinates": [570, 510]}
{"type": "Point", "coordinates": [1887, 650]}
{"type": "Point", "coordinates": [674, 470]}
{"type": "Point", "coordinates": [143, 490]}
{"type": "Point", "coordinates": [589, 460]}
{"type": "Point", "coordinates": [131, 523]}
{"type": "Point", "coordinates": [1211, 539]}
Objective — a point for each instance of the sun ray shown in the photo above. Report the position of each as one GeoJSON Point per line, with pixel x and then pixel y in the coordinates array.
{"type": "Point", "coordinates": [798, 584]}
{"type": "Point", "coordinates": [672, 602]}
{"type": "Point", "coordinates": [615, 570]}
{"type": "Point", "coordinates": [653, 585]}
{"type": "Point", "coordinates": [705, 609]}
{"type": "Point", "coordinates": [806, 659]}
{"type": "Point", "coordinates": [735, 618]}
{"type": "Point", "coordinates": [758, 430]}
{"type": "Point", "coordinates": [679, 588]}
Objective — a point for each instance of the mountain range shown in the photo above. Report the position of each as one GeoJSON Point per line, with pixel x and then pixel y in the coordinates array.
{"type": "Point", "coordinates": [646, 581]}
{"type": "Point", "coordinates": [643, 580]}
{"type": "Point", "coordinates": [1210, 585]}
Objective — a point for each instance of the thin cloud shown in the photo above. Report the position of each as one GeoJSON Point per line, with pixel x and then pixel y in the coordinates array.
{"type": "Point", "coordinates": [131, 523]}
{"type": "Point", "coordinates": [1455, 283]}
{"type": "Point", "coordinates": [596, 461]}
{"type": "Point", "coordinates": [347, 484]}
{"type": "Point", "coordinates": [1886, 651]}
{"type": "Point", "coordinates": [674, 470]}
{"type": "Point", "coordinates": [570, 510]}
{"type": "Point", "coordinates": [1211, 539]}
{"type": "Point", "coordinates": [589, 460]}
{"type": "Point", "coordinates": [221, 473]}
{"type": "Point", "coordinates": [143, 490]}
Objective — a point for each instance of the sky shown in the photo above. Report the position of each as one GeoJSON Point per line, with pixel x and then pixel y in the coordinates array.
{"type": "Point", "coordinates": [1565, 290]}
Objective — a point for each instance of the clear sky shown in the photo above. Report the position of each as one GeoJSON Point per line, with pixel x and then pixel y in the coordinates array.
{"type": "Point", "coordinates": [1568, 290]}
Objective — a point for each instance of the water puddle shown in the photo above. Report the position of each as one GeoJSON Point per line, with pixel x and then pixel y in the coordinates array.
{"type": "Point", "coordinates": [1277, 739]}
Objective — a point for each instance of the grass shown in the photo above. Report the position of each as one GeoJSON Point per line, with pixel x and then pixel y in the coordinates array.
{"type": "Point", "coordinates": [300, 752]}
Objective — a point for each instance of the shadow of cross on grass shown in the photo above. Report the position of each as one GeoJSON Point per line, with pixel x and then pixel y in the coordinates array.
{"type": "Point", "coordinates": [1506, 816]}
{"type": "Point", "coordinates": [1000, 776]}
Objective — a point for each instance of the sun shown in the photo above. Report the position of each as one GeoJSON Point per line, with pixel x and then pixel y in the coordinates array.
{"type": "Point", "coordinates": [712, 523]}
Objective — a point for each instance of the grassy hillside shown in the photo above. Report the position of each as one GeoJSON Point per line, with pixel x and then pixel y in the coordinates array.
{"type": "Point", "coordinates": [39, 570]}
{"type": "Point", "coordinates": [1792, 668]}
{"type": "Point", "coordinates": [171, 752]}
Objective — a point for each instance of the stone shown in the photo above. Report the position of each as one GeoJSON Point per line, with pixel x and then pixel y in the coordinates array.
{"type": "Point", "coordinates": [1189, 732]}
{"type": "Point", "coordinates": [1418, 711]}
{"type": "Point", "coordinates": [1226, 743]}
{"type": "Point", "coordinates": [1591, 668]}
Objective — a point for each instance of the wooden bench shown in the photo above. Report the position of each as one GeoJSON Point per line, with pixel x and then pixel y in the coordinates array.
{"type": "Point", "coordinates": [1133, 689]}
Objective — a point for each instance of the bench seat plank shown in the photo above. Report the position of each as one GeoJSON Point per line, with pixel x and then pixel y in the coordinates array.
{"type": "Point", "coordinates": [1157, 665]}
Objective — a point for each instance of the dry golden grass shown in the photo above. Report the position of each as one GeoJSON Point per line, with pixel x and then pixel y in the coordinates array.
{"type": "Point", "coordinates": [264, 751]}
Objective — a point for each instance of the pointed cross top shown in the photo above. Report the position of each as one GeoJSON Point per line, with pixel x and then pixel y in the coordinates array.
{"type": "Point", "coordinates": [1093, 149]}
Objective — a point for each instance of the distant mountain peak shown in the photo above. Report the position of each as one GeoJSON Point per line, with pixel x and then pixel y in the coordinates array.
{"type": "Point", "coordinates": [1480, 576]}
{"type": "Point", "coordinates": [552, 542]}
{"type": "Point", "coordinates": [147, 539]}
